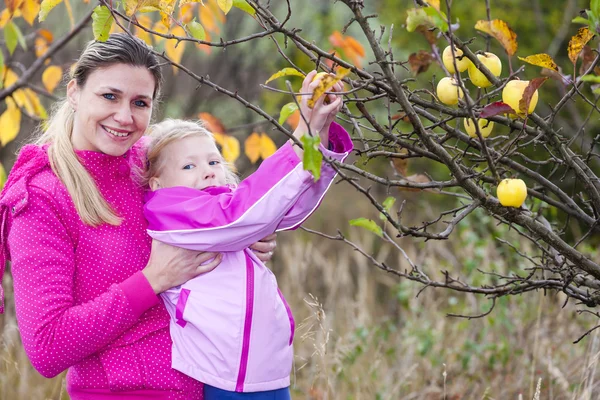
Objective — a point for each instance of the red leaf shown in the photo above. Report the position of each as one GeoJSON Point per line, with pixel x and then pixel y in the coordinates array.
{"type": "Point", "coordinates": [420, 62]}
{"type": "Point", "coordinates": [496, 108]}
{"type": "Point", "coordinates": [534, 84]}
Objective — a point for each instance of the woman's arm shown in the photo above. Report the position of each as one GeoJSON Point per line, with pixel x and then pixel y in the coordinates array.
{"type": "Point", "coordinates": [56, 332]}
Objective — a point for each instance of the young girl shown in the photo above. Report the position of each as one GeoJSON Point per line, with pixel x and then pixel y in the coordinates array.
{"type": "Point", "coordinates": [232, 328]}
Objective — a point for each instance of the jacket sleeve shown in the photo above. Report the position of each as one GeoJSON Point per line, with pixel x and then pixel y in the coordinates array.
{"type": "Point", "coordinates": [340, 146]}
{"type": "Point", "coordinates": [232, 220]}
{"type": "Point", "coordinates": [56, 332]}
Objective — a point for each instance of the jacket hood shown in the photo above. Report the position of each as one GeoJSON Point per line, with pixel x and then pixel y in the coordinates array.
{"type": "Point", "coordinates": [14, 196]}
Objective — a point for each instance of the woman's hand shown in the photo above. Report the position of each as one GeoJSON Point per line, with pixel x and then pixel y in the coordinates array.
{"type": "Point", "coordinates": [264, 248]}
{"type": "Point", "coordinates": [170, 266]}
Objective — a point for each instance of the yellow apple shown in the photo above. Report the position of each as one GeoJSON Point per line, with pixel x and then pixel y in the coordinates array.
{"type": "Point", "coordinates": [492, 62]}
{"type": "Point", "coordinates": [512, 192]}
{"type": "Point", "coordinates": [461, 64]}
{"type": "Point", "coordinates": [512, 94]}
{"type": "Point", "coordinates": [485, 127]}
{"type": "Point", "coordinates": [448, 91]}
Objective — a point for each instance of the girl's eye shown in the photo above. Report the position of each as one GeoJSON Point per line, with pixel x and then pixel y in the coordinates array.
{"type": "Point", "coordinates": [188, 166]}
{"type": "Point", "coordinates": [109, 96]}
{"type": "Point", "coordinates": [214, 162]}
{"type": "Point", "coordinates": [141, 103]}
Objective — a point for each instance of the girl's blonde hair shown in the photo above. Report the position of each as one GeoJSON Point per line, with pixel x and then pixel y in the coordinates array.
{"type": "Point", "coordinates": [120, 48]}
{"type": "Point", "coordinates": [170, 130]}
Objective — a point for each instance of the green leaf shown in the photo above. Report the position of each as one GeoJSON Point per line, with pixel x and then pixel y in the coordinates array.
{"type": "Point", "coordinates": [590, 78]}
{"type": "Point", "coordinates": [438, 18]}
{"type": "Point", "coordinates": [1, 69]}
{"type": "Point", "coordinates": [312, 158]}
{"type": "Point", "coordinates": [595, 6]}
{"type": "Point", "coordinates": [367, 224]}
{"type": "Point", "coordinates": [244, 6]}
{"type": "Point", "coordinates": [11, 37]}
{"type": "Point", "coordinates": [46, 7]}
{"type": "Point", "coordinates": [286, 111]}
{"type": "Point", "coordinates": [285, 72]}
{"type": "Point", "coordinates": [102, 22]}
{"type": "Point", "coordinates": [416, 17]}
{"type": "Point", "coordinates": [20, 37]}
{"type": "Point", "coordinates": [387, 206]}
{"type": "Point", "coordinates": [197, 30]}
{"type": "Point", "coordinates": [580, 20]}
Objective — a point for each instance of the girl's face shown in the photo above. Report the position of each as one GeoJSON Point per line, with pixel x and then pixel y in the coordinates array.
{"type": "Point", "coordinates": [112, 109]}
{"type": "Point", "coordinates": [193, 162]}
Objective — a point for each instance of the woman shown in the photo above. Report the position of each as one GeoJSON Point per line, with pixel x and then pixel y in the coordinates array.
{"type": "Point", "coordinates": [86, 275]}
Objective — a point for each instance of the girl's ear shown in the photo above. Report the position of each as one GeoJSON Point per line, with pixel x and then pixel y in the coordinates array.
{"type": "Point", "coordinates": [154, 183]}
{"type": "Point", "coordinates": [73, 94]}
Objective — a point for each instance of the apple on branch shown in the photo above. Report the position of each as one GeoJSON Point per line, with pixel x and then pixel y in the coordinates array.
{"type": "Point", "coordinates": [448, 91]}
{"type": "Point", "coordinates": [491, 62]}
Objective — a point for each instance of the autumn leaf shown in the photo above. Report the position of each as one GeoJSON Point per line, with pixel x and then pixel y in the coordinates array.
{"type": "Point", "coordinates": [267, 146]}
{"type": "Point", "coordinates": [174, 48]}
{"type": "Point", "coordinates": [326, 83]}
{"type": "Point", "coordinates": [588, 56]}
{"type": "Point", "coordinates": [186, 12]}
{"type": "Point", "coordinates": [102, 20]}
{"type": "Point", "coordinates": [133, 6]}
{"type": "Point", "coordinates": [10, 122]}
{"type": "Point", "coordinates": [350, 47]}
{"type": "Point", "coordinates": [496, 108]}
{"type": "Point", "coordinates": [51, 77]}
{"type": "Point", "coordinates": [159, 28]}
{"type": "Point", "coordinates": [5, 16]}
{"type": "Point", "coordinates": [225, 5]}
{"type": "Point", "coordinates": [208, 19]}
{"type": "Point", "coordinates": [285, 72]}
{"type": "Point", "coordinates": [577, 42]}
{"type": "Point", "coordinates": [46, 7]}
{"type": "Point", "coordinates": [252, 147]}
{"type": "Point", "coordinates": [501, 31]}
{"type": "Point", "coordinates": [428, 33]}
{"type": "Point", "coordinates": [416, 178]}
{"type": "Point", "coordinates": [46, 34]}
{"type": "Point", "coordinates": [30, 10]}
{"type": "Point", "coordinates": [541, 60]}
{"type": "Point", "coordinates": [434, 3]}
{"type": "Point", "coordinates": [368, 224]}
{"type": "Point", "coordinates": [230, 146]}
{"type": "Point", "coordinates": [1, 70]}
{"type": "Point", "coordinates": [34, 105]}
{"type": "Point", "coordinates": [533, 85]}
{"type": "Point", "coordinates": [212, 123]}
{"type": "Point", "coordinates": [420, 62]}
{"type": "Point", "coordinates": [146, 22]}
{"type": "Point", "coordinates": [294, 119]}
{"type": "Point", "coordinates": [286, 111]}
{"type": "Point", "coordinates": [312, 158]}
{"type": "Point", "coordinates": [13, 5]}
{"type": "Point", "coordinates": [400, 164]}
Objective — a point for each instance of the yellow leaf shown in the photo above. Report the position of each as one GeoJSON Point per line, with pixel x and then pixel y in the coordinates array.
{"type": "Point", "coordinates": [501, 31]}
{"type": "Point", "coordinates": [10, 122]}
{"type": "Point", "coordinates": [186, 12]}
{"type": "Point", "coordinates": [30, 10]}
{"type": "Point", "coordinates": [230, 146]}
{"type": "Point", "coordinates": [212, 123]}
{"type": "Point", "coordinates": [46, 7]}
{"type": "Point", "coordinates": [285, 72]}
{"type": "Point", "coordinates": [41, 46]}
{"type": "Point", "coordinates": [37, 107]}
{"type": "Point", "coordinates": [434, 3]}
{"type": "Point", "coordinates": [13, 5]}
{"type": "Point", "coordinates": [267, 147]}
{"type": "Point", "coordinates": [51, 77]}
{"type": "Point", "coordinates": [225, 5]}
{"type": "Point", "coordinates": [207, 19]}
{"type": "Point", "coordinates": [326, 83]}
{"type": "Point", "coordinates": [252, 147]}
{"type": "Point", "coordinates": [10, 77]}
{"type": "Point", "coordinates": [541, 60]}
{"type": "Point", "coordinates": [5, 16]}
{"type": "Point", "coordinates": [216, 11]}
{"type": "Point", "coordinates": [132, 6]}
{"type": "Point", "coordinates": [46, 34]}
{"type": "Point", "coordinates": [2, 176]}
{"type": "Point", "coordinates": [175, 50]}
{"type": "Point", "coordinates": [146, 22]}
{"type": "Point", "coordinates": [160, 28]}
{"type": "Point", "coordinates": [577, 42]}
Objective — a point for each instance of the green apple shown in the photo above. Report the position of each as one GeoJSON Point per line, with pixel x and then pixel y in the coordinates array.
{"type": "Point", "coordinates": [513, 93]}
{"type": "Point", "coordinates": [485, 127]}
{"type": "Point", "coordinates": [492, 62]}
{"type": "Point", "coordinates": [461, 64]}
{"type": "Point", "coordinates": [448, 91]}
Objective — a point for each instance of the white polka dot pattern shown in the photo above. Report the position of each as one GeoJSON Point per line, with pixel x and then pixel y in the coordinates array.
{"type": "Point", "coordinates": [82, 302]}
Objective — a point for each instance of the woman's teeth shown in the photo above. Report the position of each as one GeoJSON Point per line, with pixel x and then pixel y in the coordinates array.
{"type": "Point", "coordinates": [119, 134]}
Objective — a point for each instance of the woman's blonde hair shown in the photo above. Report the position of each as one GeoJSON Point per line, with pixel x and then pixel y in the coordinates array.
{"type": "Point", "coordinates": [120, 48]}
{"type": "Point", "coordinates": [170, 130]}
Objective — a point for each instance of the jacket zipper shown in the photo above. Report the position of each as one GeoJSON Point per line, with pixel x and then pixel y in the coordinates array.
{"type": "Point", "coordinates": [247, 324]}
{"type": "Point", "coordinates": [290, 317]}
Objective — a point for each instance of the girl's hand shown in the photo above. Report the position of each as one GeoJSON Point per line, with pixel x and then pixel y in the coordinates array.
{"type": "Point", "coordinates": [170, 266]}
{"type": "Point", "coordinates": [264, 248]}
{"type": "Point", "coordinates": [319, 118]}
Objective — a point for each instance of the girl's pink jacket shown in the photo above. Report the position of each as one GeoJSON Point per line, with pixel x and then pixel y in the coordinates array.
{"type": "Point", "coordinates": [81, 299]}
{"type": "Point", "coordinates": [232, 328]}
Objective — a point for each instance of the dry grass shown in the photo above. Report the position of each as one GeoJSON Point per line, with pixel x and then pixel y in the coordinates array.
{"type": "Point", "coordinates": [363, 334]}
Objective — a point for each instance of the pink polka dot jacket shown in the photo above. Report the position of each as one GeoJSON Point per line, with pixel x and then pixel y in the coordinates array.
{"type": "Point", "coordinates": [81, 300]}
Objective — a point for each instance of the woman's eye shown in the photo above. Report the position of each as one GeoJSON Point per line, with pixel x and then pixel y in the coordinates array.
{"type": "Point", "coordinates": [188, 166]}
{"type": "Point", "coordinates": [109, 96]}
{"type": "Point", "coordinates": [214, 162]}
{"type": "Point", "coordinates": [141, 103]}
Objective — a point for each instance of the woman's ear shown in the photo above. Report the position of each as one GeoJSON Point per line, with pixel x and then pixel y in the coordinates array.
{"type": "Point", "coordinates": [154, 183]}
{"type": "Point", "coordinates": [73, 94]}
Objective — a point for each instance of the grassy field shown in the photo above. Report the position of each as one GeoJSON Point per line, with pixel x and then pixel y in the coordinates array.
{"type": "Point", "coordinates": [364, 334]}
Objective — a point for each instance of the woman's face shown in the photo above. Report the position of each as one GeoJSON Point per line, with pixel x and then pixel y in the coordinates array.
{"type": "Point", "coordinates": [112, 109]}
